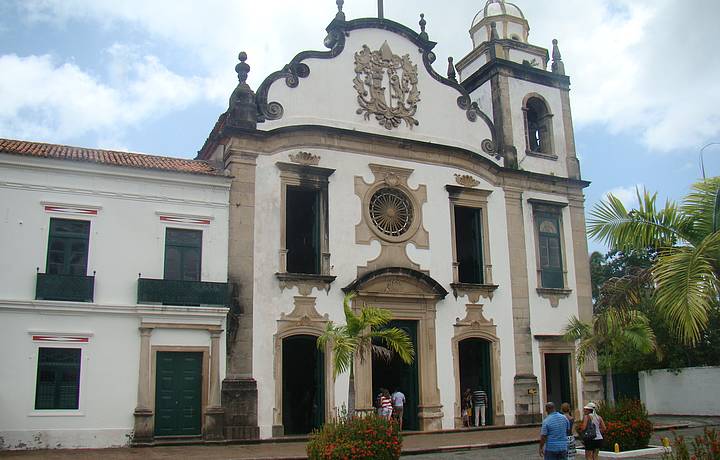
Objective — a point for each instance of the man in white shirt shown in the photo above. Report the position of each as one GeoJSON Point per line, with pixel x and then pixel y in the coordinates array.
{"type": "Point", "coordinates": [479, 401]}
{"type": "Point", "coordinates": [398, 402]}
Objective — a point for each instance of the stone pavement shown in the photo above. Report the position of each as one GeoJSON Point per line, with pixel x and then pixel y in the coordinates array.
{"type": "Point", "coordinates": [503, 443]}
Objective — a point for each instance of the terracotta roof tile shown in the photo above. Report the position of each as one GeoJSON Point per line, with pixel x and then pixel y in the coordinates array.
{"type": "Point", "coordinates": [108, 157]}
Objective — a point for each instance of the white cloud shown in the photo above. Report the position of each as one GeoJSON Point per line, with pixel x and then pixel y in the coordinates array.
{"type": "Point", "coordinates": [627, 195]}
{"type": "Point", "coordinates": [45, 100]}
{"type": "Point", "coordinates": [647, 68]}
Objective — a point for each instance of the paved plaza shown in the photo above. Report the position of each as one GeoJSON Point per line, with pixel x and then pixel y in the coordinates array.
{"type": "Point", "coordinates": [487, 444]}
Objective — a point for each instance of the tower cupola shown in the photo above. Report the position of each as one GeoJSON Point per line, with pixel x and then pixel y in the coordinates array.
{"type": "Point", "coordinates": [508, 18]}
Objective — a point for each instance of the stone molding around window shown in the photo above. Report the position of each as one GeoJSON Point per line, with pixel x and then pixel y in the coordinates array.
{"type": "Point", "coordinates": [311, 178]}
{"type": "Point", "coordinates": [546, 118]}
{"type": "Point", "coordinates": [471, 198]}
{"type": "Point", "coordinates": [540, 206]}
{"type": "Point", "coordinates": [392, 247]}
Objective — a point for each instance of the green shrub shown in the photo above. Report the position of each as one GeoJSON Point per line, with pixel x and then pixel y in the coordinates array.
{"type": "Point", "coordinates": [705, 447]}
{"type": "Point", "coordinates": [370, 437]}
{"type": "Point", "coordinates": [626, 423]}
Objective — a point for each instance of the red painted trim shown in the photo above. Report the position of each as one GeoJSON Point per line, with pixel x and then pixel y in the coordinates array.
{"type": "Point", "coordinates": [60, 338]}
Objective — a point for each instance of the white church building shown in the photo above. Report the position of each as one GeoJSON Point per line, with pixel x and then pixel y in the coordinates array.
{"type": "Point", "coordinates": [455, 201]}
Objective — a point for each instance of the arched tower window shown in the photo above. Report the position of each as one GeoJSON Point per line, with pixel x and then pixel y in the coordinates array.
{"type": "Point", "coordinates": [538, 126]}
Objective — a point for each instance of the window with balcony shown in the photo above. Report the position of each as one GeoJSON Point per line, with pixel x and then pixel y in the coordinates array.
{"type": "Point", "coordinates": [302, 230]}
{"type": "Point", "coordinates": [183, 254]}
{"type": "Point", "coordinates": [468, 244]}
{"type": "Point", "coordinates": [65, 276]}
{"type": "Point", "coordinates": [58, 378]}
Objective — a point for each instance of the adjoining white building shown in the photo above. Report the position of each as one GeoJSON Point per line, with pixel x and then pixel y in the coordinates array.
{"type": "Point", "coordinates": [455, 202]}
{"type": "Point", "coordinates": [112, 296]}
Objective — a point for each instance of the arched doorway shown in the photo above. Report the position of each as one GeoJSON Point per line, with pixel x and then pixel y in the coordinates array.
{"type": "Point", "coordinates": [303, 384]}
{"type": "Point", "coordinates": [476, 370]}
{"type": "Point", "coordinates": [411, 296]}
{"type": "Point", "coordinates": [396, 375]}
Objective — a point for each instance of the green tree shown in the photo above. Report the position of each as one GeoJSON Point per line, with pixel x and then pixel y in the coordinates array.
{"type": "Point", "coordinates": [612, 332]}
{"type": "Point", "coordinates": [687, 241]}
{"type": "Point", "coordinates": [363, 334]}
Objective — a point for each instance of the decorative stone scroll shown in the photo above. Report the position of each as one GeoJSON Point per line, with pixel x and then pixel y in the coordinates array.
{"type": "Point", "coordinates": [305, 158]}
{"type": "Point", "coordinates": [387, 87]}
{"type": "Point", "coordinates": [466, 180]}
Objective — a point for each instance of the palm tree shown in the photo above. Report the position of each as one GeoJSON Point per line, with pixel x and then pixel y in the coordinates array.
{"type": "Point", "coordinates": [687, 239]}
{"type": "Point", "coordinates": [362, 334]}
{"type": "Point", "coordinates": [612, 331]}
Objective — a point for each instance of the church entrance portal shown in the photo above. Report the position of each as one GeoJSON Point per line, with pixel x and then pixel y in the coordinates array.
{"type": "Point", "coordinates": [557, 378]}
{"type": "Point", "coordinates": [395, 374]}
{"type": "Point", "coordinates": [475, 370]}
{"type": "Point", "coordinates": [303, 389]}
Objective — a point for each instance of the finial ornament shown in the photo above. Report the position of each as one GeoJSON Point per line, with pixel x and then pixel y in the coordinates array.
{"type": "Point", "coordinates": [451, 69]}
{"type": "Point", "coordinates": [242, 68]}
{"type": "Point", "coordinates": [558, 66]}
{"type": "Point", "coordinates": [340, 15]}
{"type": "Point", "coordinates": [493, 32]}
{"type": "Point", "coordinates": [423, 23]}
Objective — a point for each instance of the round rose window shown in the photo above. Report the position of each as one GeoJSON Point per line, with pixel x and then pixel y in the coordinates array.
{"type": "Point", "coordinates": [391, 211]}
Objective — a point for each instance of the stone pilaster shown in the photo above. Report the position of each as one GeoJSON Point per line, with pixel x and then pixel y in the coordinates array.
{"type": "Point", "coordinates": [239, 389]}
{"type": "Point", "coordinates": [214, 413]}
{"type": "Point", "coordinates": [143, 429]}
{"type": "Point", "coordinates": [502, 118]}
{"type": "Point", "coordinates": [525, 380]}
{"type": "Point", "coordinates": [592, 380]}
{"type": "Point", "coordinates": [571, 160]}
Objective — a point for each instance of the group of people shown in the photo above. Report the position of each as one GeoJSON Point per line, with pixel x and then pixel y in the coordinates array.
{"type": "Point", "coordinates": [474, 402]}
{"type": "Point", "coordinates": [557, 440]}
{"type": "Point", "coordinates": [391, 405]}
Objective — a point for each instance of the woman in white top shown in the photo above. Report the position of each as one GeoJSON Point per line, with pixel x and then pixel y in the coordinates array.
{"type": "Point", "coordinates": [592, 447]}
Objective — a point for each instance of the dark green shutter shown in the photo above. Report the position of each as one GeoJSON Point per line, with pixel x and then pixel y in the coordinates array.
{"type": "Point", "coordinates": [58, 378]}
{"type": "Point", "coordinates": [183, 254]}
{"type": "Point", "coordinates": [68, 247]}
{"type": "Point", "coordinates": [551, 275]}
{"type": "Point", "coordinates": [178, 389]}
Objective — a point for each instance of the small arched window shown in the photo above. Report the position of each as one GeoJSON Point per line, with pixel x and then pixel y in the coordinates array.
{"type": "Point", "coordinates": [538, 126]}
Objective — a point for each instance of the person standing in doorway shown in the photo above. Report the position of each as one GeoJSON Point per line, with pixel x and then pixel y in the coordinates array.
{"type": "Point", "coordinates": [385, 404]}
{"type": "Point", "coordinates": [467, 408]}
{"type": "Point", "coordinates": [398, 405]}
{"type": "Point", "coordinates": [479, 402]}
{"type": "Point", "coordinates": [553, 435]}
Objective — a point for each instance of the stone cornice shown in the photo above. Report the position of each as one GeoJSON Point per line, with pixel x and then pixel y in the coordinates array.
{"type": "Point", "coordinates": [507, 68]}
{"type": "Point", "coordinates": [83, 308]}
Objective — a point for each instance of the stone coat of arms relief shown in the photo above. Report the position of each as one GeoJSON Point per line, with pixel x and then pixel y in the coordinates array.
{"type": "Point", "coordinates": [387, 86]}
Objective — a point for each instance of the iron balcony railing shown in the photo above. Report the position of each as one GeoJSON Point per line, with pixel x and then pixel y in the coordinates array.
{"type": "Point", "coordinates": [177, 292]}
{"type": "Point", "coordinates": [77, 288]}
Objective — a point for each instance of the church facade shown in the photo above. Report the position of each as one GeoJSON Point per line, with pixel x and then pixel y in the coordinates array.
{"type": "Point", "coordinates": [455, 201]}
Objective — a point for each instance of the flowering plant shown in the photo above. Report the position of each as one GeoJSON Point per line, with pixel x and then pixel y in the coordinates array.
{"type": "Point", "coordinates": [350, 438]}
{"type": "Point", "coordinates": [705, 447]}
{"type": "Point", "coordinates": [627, 424]}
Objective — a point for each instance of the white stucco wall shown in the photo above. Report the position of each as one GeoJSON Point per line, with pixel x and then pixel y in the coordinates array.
{"type": "Point", "coordinates": [692, 391]}
{"type": "Point", "coordinates": [518, 90]}
{"type": "Point", "coordinates": [346, 256]}
{"type": "Point", "coordinates": [126, 238]}
{"type": "Point", "coordinates": [483, 96]}
{"type": "Point", "coordinates": [327, 97]}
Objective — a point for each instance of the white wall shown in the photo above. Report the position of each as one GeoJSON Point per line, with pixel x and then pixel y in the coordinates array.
{"type": "Point", "coordinates": [327, 97]}
{"type": "Point", "coordinates": [346, 256]}
{"type": "Point", "coordinates": [693, 391]}
{"type": "Point", "coordinates": [126, 238]}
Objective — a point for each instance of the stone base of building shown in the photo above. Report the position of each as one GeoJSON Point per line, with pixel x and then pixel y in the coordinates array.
{"type": "Point", "coordinates": [430, 418]}
{"type": "Point", "coordinates": [592, 387]}
{"type": "Point", "coordinates": [143, 429]}
{"type": "Point", "coordinates": [527, 399]}
{"type": "Point", "coordinates": [214, 424]}
{"type": "Point", "coordinates": [240, 405]}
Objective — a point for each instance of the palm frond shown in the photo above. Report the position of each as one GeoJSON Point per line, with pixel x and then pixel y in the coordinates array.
{"type": "Point", "coordinates": [701, 206]}
{"type": "Point", "coordinates": [686, 285]}
{"type": "Point", "coordinates": [398, 341]}
{"type": "Point", "coordinates": [638, 228]}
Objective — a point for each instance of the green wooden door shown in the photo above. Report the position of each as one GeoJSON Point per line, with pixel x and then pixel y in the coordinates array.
{"type": "Point", "coordinates": [178, 386]}
{"type": "Point", "coordinates": [396, 375]}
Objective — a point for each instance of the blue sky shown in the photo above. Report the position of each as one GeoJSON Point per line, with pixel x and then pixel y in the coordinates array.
{"type": "Point", "coordinates": [153, 75]}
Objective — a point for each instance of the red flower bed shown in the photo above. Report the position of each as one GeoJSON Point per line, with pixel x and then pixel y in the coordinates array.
{"type": "Point", "coordinates": [627, 424]}
{"type": "Point", "coordinates": [369, 437]}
